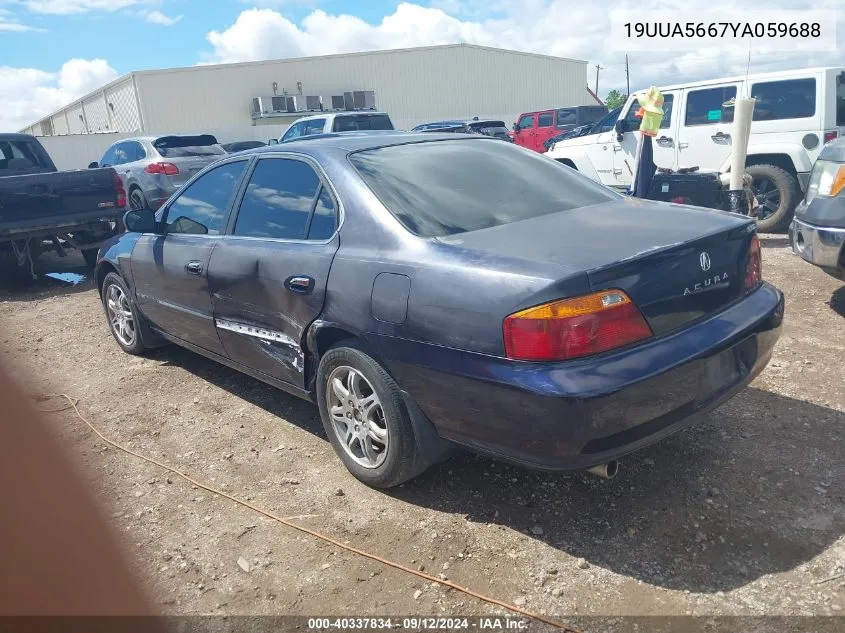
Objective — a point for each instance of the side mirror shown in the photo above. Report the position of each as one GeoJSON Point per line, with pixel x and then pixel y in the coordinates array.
{"type": "Point", "coordinates": [273, 141]}
{"type": "Point", "coordinates": [140, 221]}
{"type": "Point", "coordinates": [93, 165]}
{"type": "Point", "coordinates": [516, 128]}
{"type": "Point", "coordinates": [620, 126]}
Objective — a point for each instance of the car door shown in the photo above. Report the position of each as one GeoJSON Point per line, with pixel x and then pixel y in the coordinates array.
{"type": "Point", "coordinates": [268, 275]}
{"type": "Point", "coordinates": [664, 145]}
{"type": "Point", "coordinates": [526, 130]}
{"type": "Point", "coordinates": [545, 129]}
{"type": "Point", "coordinates": [170, 268]}
{"type": "Point", "coordinates": [704, 136]}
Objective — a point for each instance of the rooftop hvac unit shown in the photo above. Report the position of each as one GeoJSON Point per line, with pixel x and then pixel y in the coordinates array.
{"type": "Point", "coordinates": [268, 105]}
{"type": "Point", "coordinates": [337, 102]}
{"type": "Point", "coordinates": [359, 100]}
{"type": "Point", "coordinates": [295, 103]}
{"type": "Point", "coordinates": [314, 102]}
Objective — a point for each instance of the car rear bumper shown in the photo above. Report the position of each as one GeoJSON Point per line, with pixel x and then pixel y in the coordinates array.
{"type": "Point", "coordinates": [819, 245]}
{"type": "Point", "coordinates": [565, 416]}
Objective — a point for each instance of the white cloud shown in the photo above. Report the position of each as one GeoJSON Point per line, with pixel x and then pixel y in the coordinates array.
{"type": "Point", "coordinates": [554, 27]}
{"type": "Point", "coordinates": [10, 24]}
{"type": "Point", "coordinates": [67, 7]}
{"type": "Point", "coordinates": [27, 94]}
{"type": "Point", "coordinates": [157, 17]}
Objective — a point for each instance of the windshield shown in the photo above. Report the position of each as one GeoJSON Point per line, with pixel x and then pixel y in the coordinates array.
{"type": "Point", "coordinates": [446, 187]}
{"type": "Point", "coordinates": [184, 146]}
{"type": "Point", "coordinates": [355, 122]}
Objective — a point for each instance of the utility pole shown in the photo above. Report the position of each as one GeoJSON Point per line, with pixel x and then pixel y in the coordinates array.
{"type": "Point", "coordinates": [627, 77]}
{"type": "Point", "coordinates": [598, 68]}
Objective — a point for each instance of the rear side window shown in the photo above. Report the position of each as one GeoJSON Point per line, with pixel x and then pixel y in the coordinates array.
{"type": "Point", "coordinates": [545, 119]}
{"type": "Point", "coordinates": [201, 207]}
{"type": "Point", "coordinates": [355, 122]}
{"type": "Point", "coordinates": [187, 146]}
{"type": "Point", "coordinates": [447, 187]}
{"type": "Point", "coordinates": [567, 116]}
{"type": "Point", "coordinates": [18, 156]}
{"type": "Point", "coordinates": [280, 201]}
{"type": "Point", "coordinates": [705, 107]}
{"type": "Point", "coordinates": [790, 99]}
{"type": "Point", "coordinates": [590, 114]}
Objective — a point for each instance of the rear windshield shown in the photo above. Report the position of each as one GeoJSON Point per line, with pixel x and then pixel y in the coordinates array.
{"type": "Point", "coordinates": [355, 122]}
{"type": "Point", "coordinates": [481, 125]}
{"type": "Point", "coordinates": [184, 146]}
{"type": "Point", "coordinates": [454, 186]}
{"type": "Point", "coordinates": [18, 156]}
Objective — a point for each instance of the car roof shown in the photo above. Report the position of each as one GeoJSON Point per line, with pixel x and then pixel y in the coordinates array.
{"type": "Point", "coordinates": [323, 115]}
{"type": "Point", "coordinates": [320, 144]}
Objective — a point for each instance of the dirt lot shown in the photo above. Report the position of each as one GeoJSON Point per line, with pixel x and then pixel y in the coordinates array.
{"type": "Point", "coordinates": [742, 514]}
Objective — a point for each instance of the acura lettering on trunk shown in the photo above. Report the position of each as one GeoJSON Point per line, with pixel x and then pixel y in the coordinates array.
{"type": "Point", "coordinates": [431, 290]}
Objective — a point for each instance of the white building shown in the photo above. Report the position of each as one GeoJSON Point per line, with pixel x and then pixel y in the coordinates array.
{"type": "Point", "coordinates": [413, 85]}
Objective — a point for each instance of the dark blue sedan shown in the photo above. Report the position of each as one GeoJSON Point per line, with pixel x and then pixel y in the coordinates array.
{"type": "Point", "coordinates": [432, 290]}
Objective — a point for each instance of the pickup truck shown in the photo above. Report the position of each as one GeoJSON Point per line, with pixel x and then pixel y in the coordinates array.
{"type": "Point", "coordinates": [41, 207]}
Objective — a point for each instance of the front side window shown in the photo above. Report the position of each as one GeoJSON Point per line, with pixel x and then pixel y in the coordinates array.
{"type": "Point", "coordinates": [314, 127]}
{"type": "Point", "coordinates": [632, 121]}
{"type": "Point", "coordinates": [294, 131]}
{"type": "Point", "coordinates": [705, 107]}
{"type": "Point", "coordinates": [448, 187]}
{"type": "Point", "coordinates": [789, 99]}
{"type": "Point", "coordinates": [280, 200]}
{"type": "Point", "coordinates": [108, 159]}
{"type": "Point", "coordinates": [527, 121]}
{"type": "Point", "coordinates": [121, 153]}
{"type": "Point", "coordinates": [201, 207]}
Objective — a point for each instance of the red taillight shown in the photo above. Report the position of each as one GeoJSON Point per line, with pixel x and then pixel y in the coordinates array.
{"type": "Point", "coordinates": [829, 136]}
{"type": "Point", "coordinates": [754, 270]}
{"type": "Point", "coordinates": [120, 192]}
{"type": "Point", "coordinates": [573, 328]}
{"type": "Point", "coordinates": [168, 169]}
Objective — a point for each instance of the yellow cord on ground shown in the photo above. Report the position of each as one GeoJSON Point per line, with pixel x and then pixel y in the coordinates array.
{"type": "Point", "coordinates": [72, 403]}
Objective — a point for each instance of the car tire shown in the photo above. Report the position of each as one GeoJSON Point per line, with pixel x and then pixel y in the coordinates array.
{"type": "Point", "coordinates": [136, 198]}
{"type": "Point", "coordinates": [120, 309]}
{"type": "Point", "coordinates": [774, 181]}
{"type": "Point", "coordinates": [90, 256]}
{"type": "Point", "coordinates": [401, 458]}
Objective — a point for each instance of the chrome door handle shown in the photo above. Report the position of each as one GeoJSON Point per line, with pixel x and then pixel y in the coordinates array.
{"type": "Point", "coordinates": [194, 268]}
{"type": "Point", "coordinates": [721, 136]}
{"type": "Point", "coordinates": [300, 284]}
{"type": "Point", "coordinates": [665, 140]}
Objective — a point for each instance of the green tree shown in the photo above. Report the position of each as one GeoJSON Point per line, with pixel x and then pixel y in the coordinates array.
{"type": "Point", "coordinates": [615, 99]}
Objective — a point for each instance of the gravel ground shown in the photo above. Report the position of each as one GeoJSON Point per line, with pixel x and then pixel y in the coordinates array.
{"type": "Point", "coordinates": [740, 515]}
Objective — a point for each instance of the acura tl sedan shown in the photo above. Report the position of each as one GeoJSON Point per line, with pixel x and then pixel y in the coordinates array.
{"type": "Point", "coordinates": [432, 290]}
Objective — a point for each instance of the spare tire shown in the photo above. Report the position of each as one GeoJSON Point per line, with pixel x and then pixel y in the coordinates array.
{"type": "Point", "coordinates": [777, 193]}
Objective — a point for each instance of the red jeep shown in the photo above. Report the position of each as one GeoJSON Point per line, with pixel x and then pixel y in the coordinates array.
{"type": "Point", "coordinates": [533, 128]}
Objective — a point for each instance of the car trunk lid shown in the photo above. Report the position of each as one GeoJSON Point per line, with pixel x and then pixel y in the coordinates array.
{"type": "Point", "coordinates": [676, 263]}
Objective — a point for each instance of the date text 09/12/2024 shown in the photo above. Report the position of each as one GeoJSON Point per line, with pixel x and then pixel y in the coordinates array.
{"type": "Point", "coordinates": [491, 623]}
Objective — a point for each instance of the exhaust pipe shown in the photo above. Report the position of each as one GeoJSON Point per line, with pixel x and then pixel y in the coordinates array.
{"type": "Point", "coordinates": [605, 471]}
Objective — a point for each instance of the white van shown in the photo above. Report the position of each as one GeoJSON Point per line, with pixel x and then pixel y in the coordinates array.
{"type": "Point", "coordinates": [796, 113]}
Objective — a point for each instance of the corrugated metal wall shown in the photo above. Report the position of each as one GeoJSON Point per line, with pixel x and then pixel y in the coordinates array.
{"type": "Point", "coordinates": [414, 86]}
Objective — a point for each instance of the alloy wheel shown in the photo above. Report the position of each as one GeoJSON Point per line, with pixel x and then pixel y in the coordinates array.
{"type": "Point", "coordinates": [120, 315]}
{"type": "Point", "coordinates": [767, 194]}
{"type": "Point", "coordinates": [357, 416]}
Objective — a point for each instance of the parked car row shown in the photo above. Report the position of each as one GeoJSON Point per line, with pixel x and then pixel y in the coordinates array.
{"type": "Point", "coordinates": [796, 113]}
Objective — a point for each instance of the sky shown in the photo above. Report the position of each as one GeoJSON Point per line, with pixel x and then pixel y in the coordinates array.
{"type": "Point", "coordinates": [53, 51]}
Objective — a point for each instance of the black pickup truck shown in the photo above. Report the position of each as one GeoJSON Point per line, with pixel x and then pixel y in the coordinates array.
{"type": "Point", "coordinates": [43, 208]}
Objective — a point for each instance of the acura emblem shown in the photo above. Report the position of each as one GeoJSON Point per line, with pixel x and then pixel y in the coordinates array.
{"type": "Point", "coordinates": [704, 260]}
